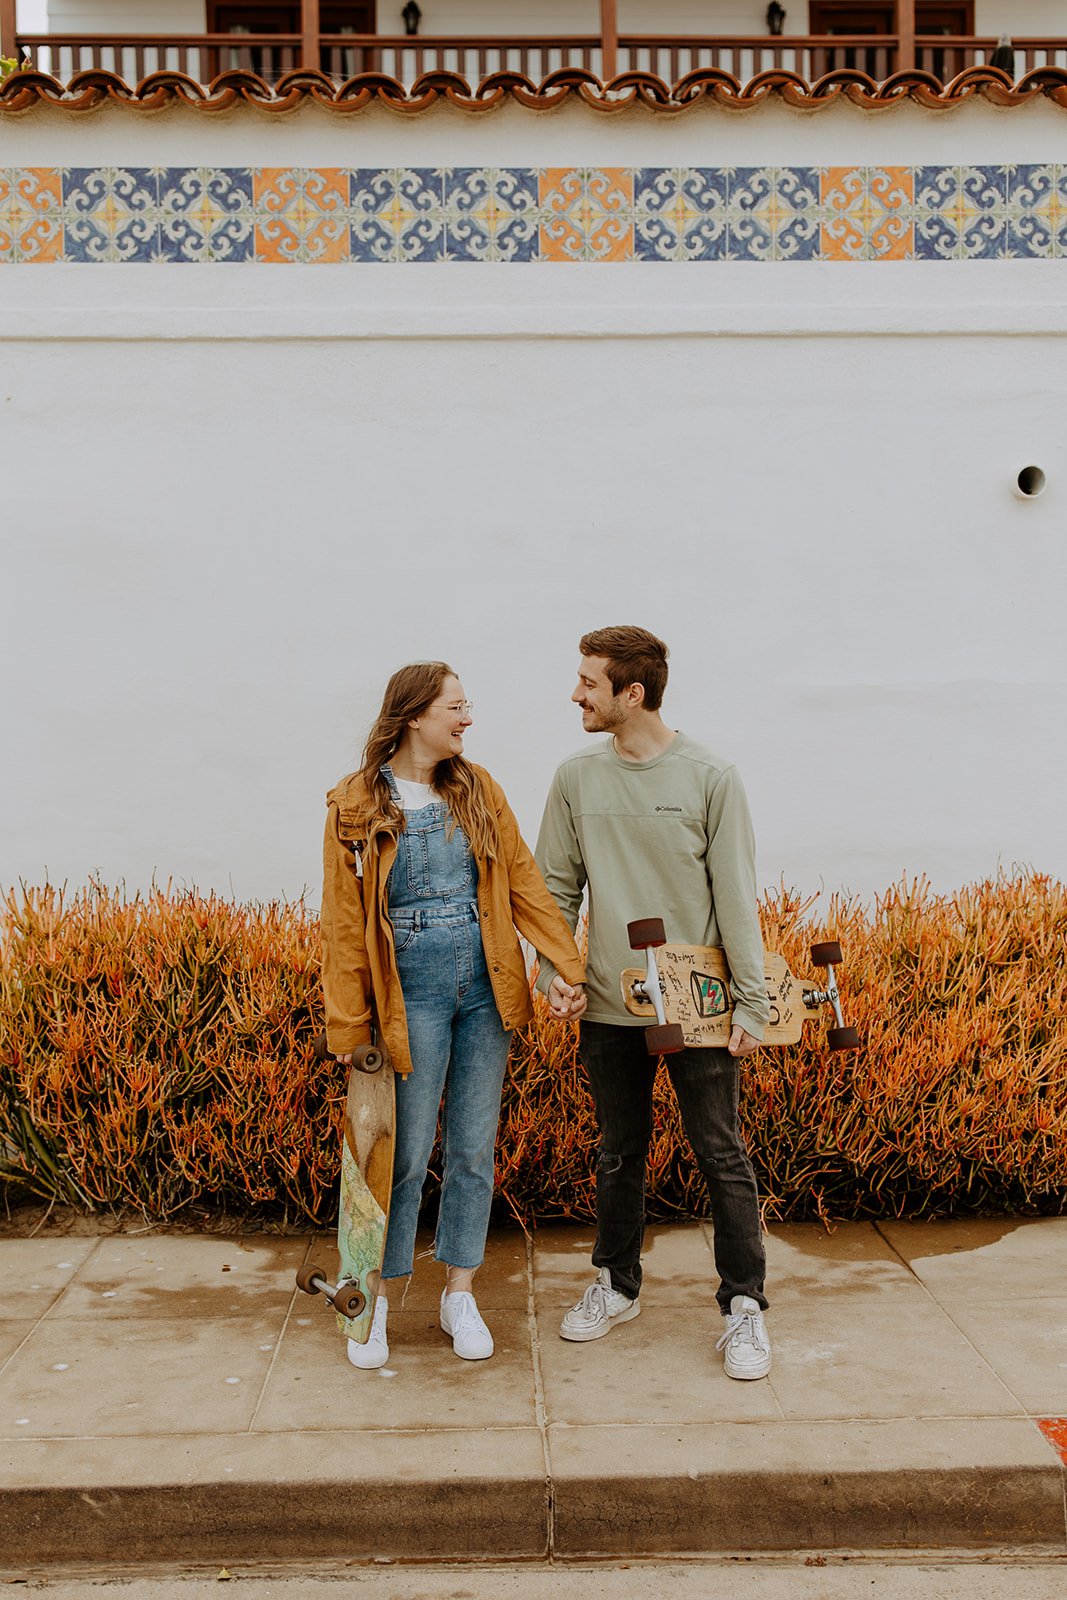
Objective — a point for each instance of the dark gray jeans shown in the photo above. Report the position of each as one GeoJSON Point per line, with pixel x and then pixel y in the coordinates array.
{"type": "Point", "coordinates": [621, 1073]}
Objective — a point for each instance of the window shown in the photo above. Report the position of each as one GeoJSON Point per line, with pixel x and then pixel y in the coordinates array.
{"type": "Point", "coordinates": [248, 16]}
{"type": "Point", "coordinates": [844, 16]}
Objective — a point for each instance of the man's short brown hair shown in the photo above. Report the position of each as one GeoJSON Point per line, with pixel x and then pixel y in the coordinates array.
{"type": "Point", "coordinates": [632, 655]}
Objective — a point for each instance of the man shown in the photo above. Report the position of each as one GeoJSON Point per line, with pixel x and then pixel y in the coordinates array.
{"type": "Point", "coordinates": [654, 824]}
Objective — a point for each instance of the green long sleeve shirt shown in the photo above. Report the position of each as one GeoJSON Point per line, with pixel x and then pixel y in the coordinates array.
{"type": "Point", "coordinates": [669, 838]}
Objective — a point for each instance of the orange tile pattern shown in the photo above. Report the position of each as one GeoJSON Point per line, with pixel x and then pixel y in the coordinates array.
{"type": "Point", "coordinates": [867, 214]}
{"type": "Point", "coordinates": [301, 214]}
{"type": "Point", "coordinates": [31, 214]}
{"type": "Point", "coordinates": [587, 214]}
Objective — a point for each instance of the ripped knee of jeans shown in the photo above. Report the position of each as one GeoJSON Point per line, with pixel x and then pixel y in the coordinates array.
{"type": "Point", "coordinates": [608, 1161]}
{"type": "Point", "coordinates": [728, 1163]}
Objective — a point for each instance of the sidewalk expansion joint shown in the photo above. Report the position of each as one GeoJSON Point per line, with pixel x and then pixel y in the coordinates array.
{"type": "Point", "coordinates": [540, 1409]}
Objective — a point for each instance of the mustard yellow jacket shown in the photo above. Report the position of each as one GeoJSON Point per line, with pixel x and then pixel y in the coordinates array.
{"type": "Point", "coordinates": [359, 971]}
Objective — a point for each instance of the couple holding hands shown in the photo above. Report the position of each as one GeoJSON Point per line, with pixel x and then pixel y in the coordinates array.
{"type": "Point", "coordinates": [426, 880]}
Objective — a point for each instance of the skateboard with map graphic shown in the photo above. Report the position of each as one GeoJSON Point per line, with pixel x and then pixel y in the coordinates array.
{"type": "Point", "coordinates": [366, 1183]}
{"type": "Point", "coordinates": [685, 990]}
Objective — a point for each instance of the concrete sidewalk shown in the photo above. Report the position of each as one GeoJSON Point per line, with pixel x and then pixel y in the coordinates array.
{"type": "Point", "coordinates": [169, 1397]}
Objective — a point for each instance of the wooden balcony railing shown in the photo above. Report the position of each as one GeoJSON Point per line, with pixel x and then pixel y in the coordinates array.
{"type": "Point", "coordinates": [810, 56]}
{"type": "Point", "coordinates": [945, 57]}
{"type": "Point", "coordinates": [203, 56]}
{"type": "Point", "coordinates": [406, 58]}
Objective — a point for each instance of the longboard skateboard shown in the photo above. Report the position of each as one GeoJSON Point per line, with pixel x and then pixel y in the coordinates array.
{"type": "Point", "coordinates": [685, 990]}
{"type": "Point", "coordinates": [366, 1183]}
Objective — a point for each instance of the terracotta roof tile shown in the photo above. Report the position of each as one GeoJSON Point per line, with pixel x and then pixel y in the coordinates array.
{"type": "Point", "coordinates": [27, 90]}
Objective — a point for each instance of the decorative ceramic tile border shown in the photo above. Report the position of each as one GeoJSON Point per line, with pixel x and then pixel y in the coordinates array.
{"type": "Point", "coordinates": [402, 214]}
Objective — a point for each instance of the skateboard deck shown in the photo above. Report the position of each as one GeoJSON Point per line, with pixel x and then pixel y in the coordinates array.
{"type": "Point", "coordinates": [685, 991]}
{"type": "Point", "coordinates": [695, 985]}
{"type": "Point", "coordinates": [366, 1183]}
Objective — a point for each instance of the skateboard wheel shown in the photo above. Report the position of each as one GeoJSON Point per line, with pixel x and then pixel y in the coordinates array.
{"type": "Point", "coordinates": [827, 955]}
{"type": "Point", "coordinates": [349, 1300]}
{"type": "Point", "coordinates": [368, 1058]}
{"type": "Point", "coordinates": [842, 1039]}
{"type": "Point", "coordinates": [665, 1039]}
{"type": "Point", "coordinates": [646, 931]}
{"type": "Point", "coordinates": [309, 1279]}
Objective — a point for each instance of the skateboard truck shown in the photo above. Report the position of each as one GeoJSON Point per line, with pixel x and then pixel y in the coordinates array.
{"type": "Point", "coordinates": [347, 1298]}
{"type": "Point", "coordinates": [647, 934]}
{"type": "Point", "coordinates": [365, 1057]}
{"type": "Point", "coordinates": [828, 955]}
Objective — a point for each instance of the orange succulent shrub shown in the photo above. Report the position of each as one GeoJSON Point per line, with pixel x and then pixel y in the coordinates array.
{"type": "Point", "coordinates": [155, 1052]}
{"type": "Point", "coordinates": [958, 1100]}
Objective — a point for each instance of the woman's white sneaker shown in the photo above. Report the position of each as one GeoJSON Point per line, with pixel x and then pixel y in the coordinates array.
{"type": "Point", "coordinates": [748, 1349]}
{"type": "Point", "coordinates": [461, 1319]}
{"type": "Point", "coordinates": [599, 1309]}
{"type": "Point", "coordinates": [375, 1353]}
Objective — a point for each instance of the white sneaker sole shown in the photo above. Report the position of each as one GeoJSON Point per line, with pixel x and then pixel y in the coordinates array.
{"type": "Point", "coordinates": [759, 1371]}
{"type": "Point", "coordinates": [470, 1355]}
{"type": "Point", "coordinates": [583, 1335]}
{"type": "Point", "coordinates": [369, 1359]}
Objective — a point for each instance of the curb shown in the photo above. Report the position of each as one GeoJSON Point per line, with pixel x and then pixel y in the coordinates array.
{"type": "Point", "coordinates": [701, 1489]}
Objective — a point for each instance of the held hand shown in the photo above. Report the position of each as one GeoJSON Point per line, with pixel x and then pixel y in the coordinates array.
{"type": "Point", "coordinates": [741, 1043]}
{"type": "Point", "coordinates": [559, 997]}
{"type": "Point", "coordinates": [346, 1061]}
{"type": "Point", "coordinates": [566, 1001]}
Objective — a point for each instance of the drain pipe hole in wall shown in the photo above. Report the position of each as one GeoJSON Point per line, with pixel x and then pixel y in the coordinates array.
{"type": "Point", "coordinates": [1030, 483]}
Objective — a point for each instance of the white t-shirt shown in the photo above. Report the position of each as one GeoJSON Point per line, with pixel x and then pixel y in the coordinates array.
{"type": "Point", "coordinates": [413, 796]}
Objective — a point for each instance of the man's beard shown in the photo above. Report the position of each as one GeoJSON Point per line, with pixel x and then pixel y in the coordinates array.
{"type": "Point", "coordinates": [604, 721]}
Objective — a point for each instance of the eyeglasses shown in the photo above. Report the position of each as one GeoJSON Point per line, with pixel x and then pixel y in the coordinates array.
{"type": "Point", "coordinates": [461, 708]}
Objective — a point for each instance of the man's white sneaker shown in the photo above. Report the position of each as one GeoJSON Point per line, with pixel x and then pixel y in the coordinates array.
{"type": "Point", "coordinates": [461, 1319]}
{"type": "Point", "coordinates": [375, 1353]}
{"type": "Point", "coordinates": [748, 1349]}
{"type": "Point", "coordinates": [599, 1309]}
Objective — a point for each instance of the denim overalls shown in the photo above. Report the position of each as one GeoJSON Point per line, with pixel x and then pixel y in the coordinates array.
{"type": "Point", "coordinates": [459, 1045]}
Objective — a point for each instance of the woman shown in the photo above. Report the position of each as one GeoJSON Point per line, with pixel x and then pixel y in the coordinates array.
{"type": "Point", "coordinates": [426, 878]}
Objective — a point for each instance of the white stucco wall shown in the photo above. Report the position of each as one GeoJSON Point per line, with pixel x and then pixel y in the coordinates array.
{"type": "Point", "coordinates": [503, 16]}
{"type": "Point", "coordinates": [1020, 17]}
{"type": "Point", "coordinates": [131, 16]}
{"type": "Point", "coordinates": [237, 496]}
{"type": "Point", "coordinates": [31, 15]}
{"type": "Point", "coordinates": [690, 16]}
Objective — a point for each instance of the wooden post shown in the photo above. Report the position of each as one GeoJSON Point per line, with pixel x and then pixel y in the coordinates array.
{"type": "Point", "coordinates": [310, 28]}
{"type": "Point", "coordinates": [609, 38]}
{"type": "Point", "coordinates": [905, 35]}
{"type": "Point", "coordinates": [8, 47]}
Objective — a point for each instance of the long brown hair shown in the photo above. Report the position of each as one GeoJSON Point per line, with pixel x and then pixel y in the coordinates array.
{"type": "Point", "coordinates": [407, 695]}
